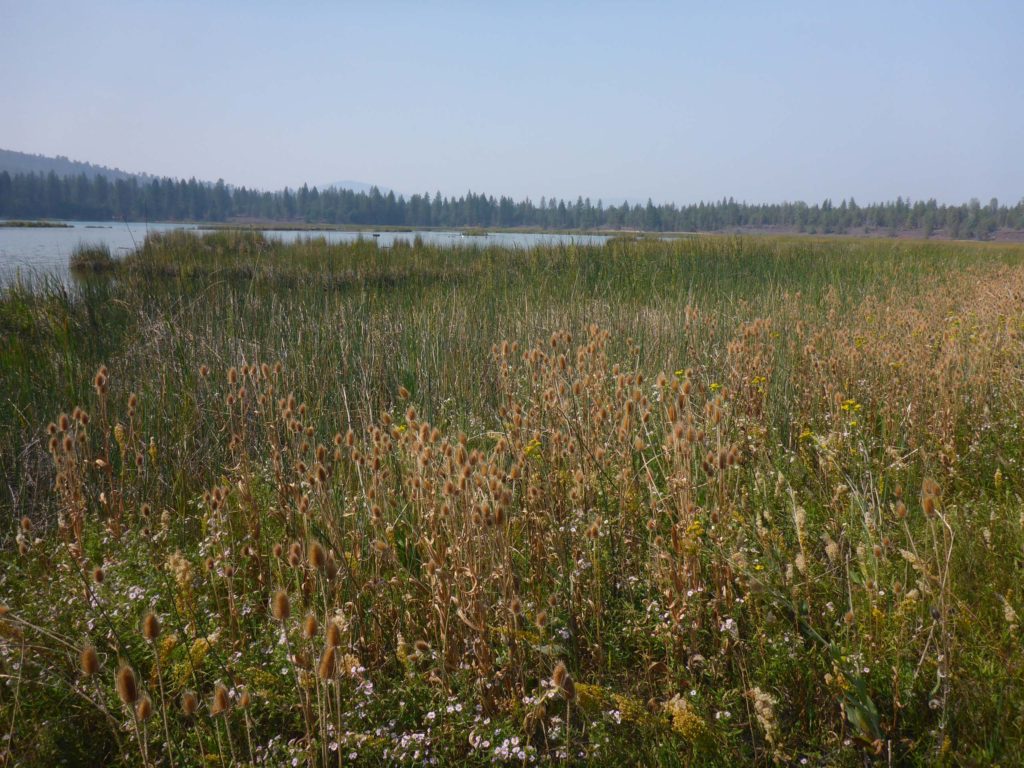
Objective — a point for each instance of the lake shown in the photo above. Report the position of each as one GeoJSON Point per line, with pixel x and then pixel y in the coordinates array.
{"type": "Point", "coordinates": [45, 250]}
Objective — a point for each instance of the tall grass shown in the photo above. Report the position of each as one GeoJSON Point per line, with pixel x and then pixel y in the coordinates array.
{"type": "Point", "coordinates": [719, 499]}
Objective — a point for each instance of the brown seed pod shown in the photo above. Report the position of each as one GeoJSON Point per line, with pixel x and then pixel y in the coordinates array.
{"type": "Point", "coordinates": [280, 607]}
{"type": "Point", "coordinates": [144, 708]}
{"type": "Point", "coordinates": [189, 703]}
{"type": "Point", "coordinates": [221, 701]}
{"type": "Point", "coordinates": [89, 661]}
{"type": "Point", "coordinates": [150, 627]}
{"type": "Point", "coordinates": [126, 687]}
{"type": "Point", "coordinates": [333, 635]}
{"type": "Point", "coordinates": [317, 557]}
{"type": "Point", "coordinates": [327, 667]}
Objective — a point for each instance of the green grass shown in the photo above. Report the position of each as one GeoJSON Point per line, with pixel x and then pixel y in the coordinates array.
{"type": "Point", "coordinates": [851, 371]}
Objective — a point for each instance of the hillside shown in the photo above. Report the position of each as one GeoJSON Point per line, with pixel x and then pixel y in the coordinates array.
{"type": "Point", "coordinates": [23, 162]}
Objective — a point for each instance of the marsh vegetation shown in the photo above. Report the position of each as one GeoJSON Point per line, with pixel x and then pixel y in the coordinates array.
{"type": "Point", "coordinates": [714, 501]}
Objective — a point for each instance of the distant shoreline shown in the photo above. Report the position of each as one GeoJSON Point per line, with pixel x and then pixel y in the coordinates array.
{"type": "Point", "coordinates": [16, 224]}
{"type": "Point", "coordinates": [1004, 235]}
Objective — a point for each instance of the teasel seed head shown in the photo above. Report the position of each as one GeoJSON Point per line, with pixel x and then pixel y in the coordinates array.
{"type": "Point", "coordinates": [333, 634]}
{"type": "Point", "coordinates": [327, 666]}
{"type": "Point", "coordinates": [563, 681]}
{"type": "Point", "coordinates": [89, 661]}
{"type": "Point", "coordinates": [279, 606]}
{"type": "Point", "coordinates": [144, 708]}
{"type": "Point", "coordinates": [221, 701]}
{"type": "Point", "coordinates": [317, 557]}
{"type": "Point", "coordinates": [127, 690]}
{"type": "Point", "coordinates": [150, 627]}
{"type": "Point", "coordinates": [309, 626]}
{"type": "Point", "coordinates": [189, 703]}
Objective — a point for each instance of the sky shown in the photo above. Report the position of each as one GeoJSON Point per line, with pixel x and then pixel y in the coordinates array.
{"type": "Point", "coordinates": [678, 102]}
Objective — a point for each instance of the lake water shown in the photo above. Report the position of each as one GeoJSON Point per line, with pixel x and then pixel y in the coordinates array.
{"type": "Point", "coordinates": [45, 250]}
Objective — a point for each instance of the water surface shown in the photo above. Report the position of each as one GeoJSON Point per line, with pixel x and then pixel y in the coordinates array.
{"type": "Point", "coordinates": [45, 250]}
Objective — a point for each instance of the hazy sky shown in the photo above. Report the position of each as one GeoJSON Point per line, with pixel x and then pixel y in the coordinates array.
{"type": "Point", "coordinates": [762, 101]}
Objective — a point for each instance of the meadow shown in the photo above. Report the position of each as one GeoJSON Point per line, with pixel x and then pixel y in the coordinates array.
{"type": "Point", "coordinates": [711, 501]}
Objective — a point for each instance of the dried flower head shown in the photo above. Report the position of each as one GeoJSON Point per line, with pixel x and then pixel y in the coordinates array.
{"type": "Point", "coordinates": [89, 661]}
{"type": "Point", "coordinates": [279, 606]}
{"type": "Point", "coordinates": [126, 686]}
{"type": "Point", "coordinates": [150, 627]}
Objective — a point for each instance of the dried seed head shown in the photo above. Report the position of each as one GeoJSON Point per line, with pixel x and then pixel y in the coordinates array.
{"type": "Point", "coordinates": [333, 635]}
{"type": "Point", "coordinates": [97, 575]}
{"type": "Point", "coordinates": [144, 708]}
{"type": "Point", "coordinates": [309, 626]}
{"type": "Point", "coordinates": [516, 606]}
{"type": "Point", "coordinates": [563, 681]}
{"type": "Point", "coordinates": [150, 627]}
{"type": "Point", "coordinates": [327, 666]}
{"type": "Point", "coordinates": [542, 619]}
{"type": "Point", "coordinates": [89, 661]}
{"type": "Point", "coordinates": [928, 505]}
{"type": "Point", "coordinates": [244, 699]}
{"type": "Point", "coordinates": [221, 700]}
{"type": "Point", "coordinates": [422, 646]}
{"type": "Point", "coordinates": [317, 557]}
{"type": "Point", "coordinates": [559, 675]}
{"type": "Point", "coordinates": [189, 703]}
{"type": "Point", "coordinates": [126, 687]}
{"type": "Point", "coordinates": [280, 607]}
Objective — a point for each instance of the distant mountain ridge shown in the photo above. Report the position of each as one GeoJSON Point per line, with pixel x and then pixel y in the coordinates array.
{"type": "Point", "coordinates": [22, 162]}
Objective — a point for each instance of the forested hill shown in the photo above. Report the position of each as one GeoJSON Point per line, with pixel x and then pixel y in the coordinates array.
{"type": "Point", "coordinates": [23, 162]}
{"type": "Point", "coordinates": [97, 197]}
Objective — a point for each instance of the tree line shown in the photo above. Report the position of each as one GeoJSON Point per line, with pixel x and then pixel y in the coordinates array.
{"type": "Point", "coordinates": [34, 195]}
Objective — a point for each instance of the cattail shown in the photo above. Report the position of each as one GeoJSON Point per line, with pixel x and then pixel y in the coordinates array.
{"type": "Point", "coordinates": [280, 606]}
{"type": "Point", "coordinates": [189, 703]}
{"type": "Point", "coordinates": [150, 627]}
{"type": "Point", "coordinates": [333, 635]}
{"type": "Point", "coordinates": [309, 626]}
{"type": "Point", "coordinates": [126, 687]}
{"type": "Point", "coordinates": [221, 701]}
{"type": "Point", "coordinates": [317, 557]}
{"type": "Point", "coordinates": [327, 663]}
{"type": "Point", "coordinates": [144, 708]}
{"type": "Point", "coordinates": [89, 661]}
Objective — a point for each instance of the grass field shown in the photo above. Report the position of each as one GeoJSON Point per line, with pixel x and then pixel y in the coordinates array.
{"type": "Point", "coordinates": [712, 501]}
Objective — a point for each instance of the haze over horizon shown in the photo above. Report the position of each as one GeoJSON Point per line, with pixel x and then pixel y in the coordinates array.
{"type": "Point", "coordinates": [676, 102]}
